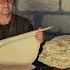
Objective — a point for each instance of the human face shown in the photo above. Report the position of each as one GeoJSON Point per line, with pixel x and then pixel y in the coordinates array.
{"type": "Point", "coordinates": [6, 7]}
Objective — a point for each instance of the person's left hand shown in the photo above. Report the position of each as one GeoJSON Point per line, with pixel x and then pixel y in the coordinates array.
{"type": "Point", "coordinates": [39, 35]}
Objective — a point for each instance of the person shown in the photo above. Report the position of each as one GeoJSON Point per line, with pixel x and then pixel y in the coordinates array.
{"type": "Point", "coordinates": [12, 25]}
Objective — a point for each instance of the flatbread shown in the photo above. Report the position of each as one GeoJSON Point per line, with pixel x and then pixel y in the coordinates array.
{"type": "Point", "coordinates": [17, 67]}
{"type": "Point", "coordinates": [21, 49]}
{"type": "Point", "coordinates": [56, 52]}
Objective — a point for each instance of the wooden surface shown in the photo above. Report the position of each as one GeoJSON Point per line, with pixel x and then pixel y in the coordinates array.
{"type": "Point", "coordinates": [16, 67]}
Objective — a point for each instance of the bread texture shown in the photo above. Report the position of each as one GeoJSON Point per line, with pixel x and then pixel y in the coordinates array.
{"type": "Point", "coordinates": [56, 52]}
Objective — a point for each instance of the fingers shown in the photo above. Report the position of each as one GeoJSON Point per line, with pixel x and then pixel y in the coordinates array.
{"type": "Point", "coordinates": [39, 35]}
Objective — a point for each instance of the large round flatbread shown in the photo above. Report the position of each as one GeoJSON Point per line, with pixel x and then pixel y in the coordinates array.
{"type": "Point", "coordinates": [21, 49]}
{"type": "Point", "coordinates": [56, 52]}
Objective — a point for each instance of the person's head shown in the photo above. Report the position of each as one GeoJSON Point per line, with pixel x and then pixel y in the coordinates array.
{"type": "Point", "coordinates": [6, 7]}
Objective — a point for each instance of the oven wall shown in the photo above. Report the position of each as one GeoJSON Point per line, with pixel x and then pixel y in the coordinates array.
{"type": "Point", "coordinates": [55, 13]}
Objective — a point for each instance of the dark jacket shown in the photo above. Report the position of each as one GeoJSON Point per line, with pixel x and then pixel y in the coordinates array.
{"type": "Point", "coordinates": [17, 25]}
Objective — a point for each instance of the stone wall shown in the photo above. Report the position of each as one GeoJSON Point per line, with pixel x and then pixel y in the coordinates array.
{"type": "Point", "coordinates": [52, 12]}
{"type": "Point", "coordinates": [66, 5]}
{"type": "Point", "coordinates": [38, 5]}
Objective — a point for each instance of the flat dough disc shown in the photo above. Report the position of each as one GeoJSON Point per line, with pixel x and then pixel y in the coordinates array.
{"type": "Point", "coordinates": [21, 49]}
{"type": "Point", "coordinates": [56, 52]}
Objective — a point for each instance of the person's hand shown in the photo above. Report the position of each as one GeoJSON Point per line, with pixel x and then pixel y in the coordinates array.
{"type": "Point", "coordinates": [39, 35]}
